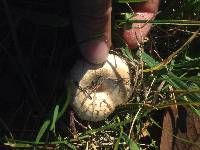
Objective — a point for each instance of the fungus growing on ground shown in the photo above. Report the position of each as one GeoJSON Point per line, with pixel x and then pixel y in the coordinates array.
{"type": "Point", "coordinates": [99, 89]}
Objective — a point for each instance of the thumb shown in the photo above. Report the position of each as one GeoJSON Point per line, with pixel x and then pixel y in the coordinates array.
{"type": "Point", "coordinates": [92, 27]}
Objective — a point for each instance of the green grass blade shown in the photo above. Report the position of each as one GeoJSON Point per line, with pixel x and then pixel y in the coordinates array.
{"type": "Point", "coordinates": [67, 101]}
{"type": "Point", "coordinates": [127, 53]}
{"type": "Point", "coordinates": [149, 60]}
{"type": "Point", "coordinates": [18, 145]}
{"type": "Point", "coordinates": [28, 144]}
{"type": "Point", "coordinates": [188, 64]}
{"type": "Point", "coordinates": [195, 110]}
{"type": "Point", "coordinates": [132, 144]}
{"type": "Point", "coordinates": [166, 22]}
{"type": "Point", "coordinates": [179, 84]}
{"type": "Point", "coordinates": [131, 1]}
{"type": "Point", "coordinates": [110, 126]}
{"type": "Point", "coordinates": [116, 147]}
{"type": "Point", "coordinates": [176, 82]}
{"type": "Point", "coordinates": [42, 131]}
{"type": "Point", "coordinates": [55, 115]}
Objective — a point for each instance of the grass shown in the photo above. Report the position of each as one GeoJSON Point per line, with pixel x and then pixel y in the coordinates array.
{"type": "Point", "coordinates": [166, 76]}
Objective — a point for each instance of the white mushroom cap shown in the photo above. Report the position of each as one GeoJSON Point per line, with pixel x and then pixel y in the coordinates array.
{"type": "Point", "coordinates": [98, 89]}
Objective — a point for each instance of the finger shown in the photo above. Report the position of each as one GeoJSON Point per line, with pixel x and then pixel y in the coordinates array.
{"type": "Point", "coordinates": [144, 11]}
{"type": "Point", "coordinates": [92, 26]}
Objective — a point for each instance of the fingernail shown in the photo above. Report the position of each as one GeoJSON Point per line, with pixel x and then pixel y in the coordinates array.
{"type": "Point", "coordinates": [95, 52]}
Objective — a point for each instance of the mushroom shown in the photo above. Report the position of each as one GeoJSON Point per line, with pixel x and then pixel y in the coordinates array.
{"type": "Point", "coordinates": [99, 89]}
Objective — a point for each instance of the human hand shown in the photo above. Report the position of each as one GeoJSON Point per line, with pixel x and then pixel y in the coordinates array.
{"type": "Point", "coordinates": [93, 17]}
